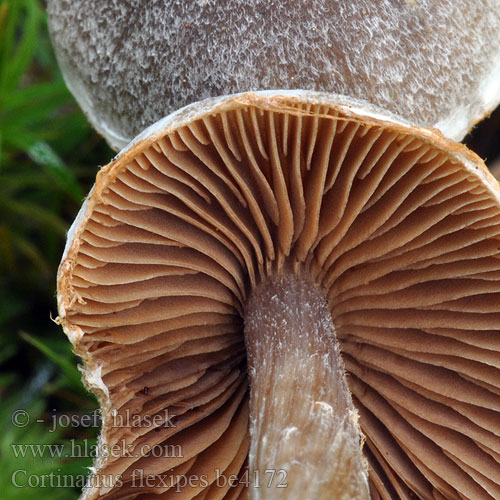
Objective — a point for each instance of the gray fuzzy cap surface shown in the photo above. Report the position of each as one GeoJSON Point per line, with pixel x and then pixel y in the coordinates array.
{"type": "Point", "coordinates": [131, 62]}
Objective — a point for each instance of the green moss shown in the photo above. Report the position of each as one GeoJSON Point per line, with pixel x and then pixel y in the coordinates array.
{"type": "Point", "coordinates": [48, 160]}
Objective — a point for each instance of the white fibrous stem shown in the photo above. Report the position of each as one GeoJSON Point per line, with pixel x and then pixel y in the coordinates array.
{"type": "Point", "coordinates": [305, 437]}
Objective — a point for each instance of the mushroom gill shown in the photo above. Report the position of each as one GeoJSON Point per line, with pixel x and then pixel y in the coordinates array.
{"type": "Point", "coordinates": [395, 228]}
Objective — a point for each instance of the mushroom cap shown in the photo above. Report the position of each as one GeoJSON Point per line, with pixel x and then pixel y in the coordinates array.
{"type": "Point", "coordinates": [397, 225]}
{"type": "Point", "coordinates": [129, 63]}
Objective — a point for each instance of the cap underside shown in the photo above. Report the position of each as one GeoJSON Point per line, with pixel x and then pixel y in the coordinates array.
{"type": "Point", "coordinates": [396, 227]}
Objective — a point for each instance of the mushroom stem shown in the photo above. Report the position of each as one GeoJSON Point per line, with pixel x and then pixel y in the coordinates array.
{"type": "Point", "coordinates": [305, 438]}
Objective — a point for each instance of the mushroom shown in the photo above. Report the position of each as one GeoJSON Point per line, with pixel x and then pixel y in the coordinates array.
{"type": "Point", "coordinates": [130, 63]}
{"type": "Point", "coordinates": [353, 258]}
